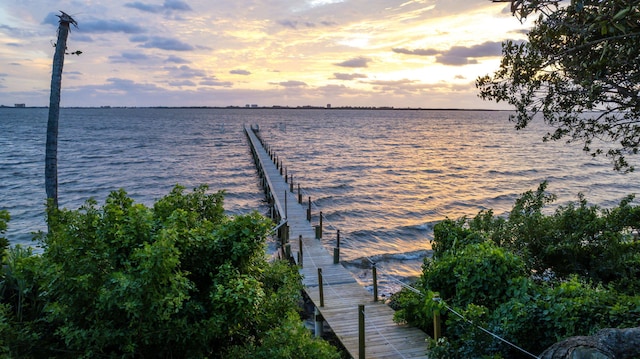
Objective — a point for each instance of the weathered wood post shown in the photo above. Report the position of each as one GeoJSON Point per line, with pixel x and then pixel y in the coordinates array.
{"type": "Point", "coordinates": [291, 184]}
{"type": "Point", "coordinates": [286, 210]}
{"type": "Point", "coordinates": [299, 194]}
{"type": "Point", "coordinates": [318, 319]}
{"type": "Point", "coordinates": [336, 249]}
{"type": "Point", "coordinates": [286, 232]}
{"type": "Point", "coordinates": [319, 228]}
{"type": "Point", "coordinates": [361, 337]}
{"type": "Point", "coordinates": [437, 331]}
{"type": "Point", "coordinates": [320, 287]}
{"type": "Point", "coordinates": [374, 271]}
{"type": "Point", "coordinates": [301, 253]}
{"type": "Point", "coordinates": [309, 210]}
{"type": "Point", "coordinates": [286, 176]}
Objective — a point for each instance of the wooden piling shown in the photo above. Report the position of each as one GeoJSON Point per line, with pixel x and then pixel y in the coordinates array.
{"type": "Point", "coordinates": [320, 288]}
{"type": "Point", "coordinates": [301, 251]}
{"type": "Point", "coordinates": [318, 321]}
{"type": "Point", "coordinates": [361, 336]}
{"type": "Point", "coordinates": [374, 272]}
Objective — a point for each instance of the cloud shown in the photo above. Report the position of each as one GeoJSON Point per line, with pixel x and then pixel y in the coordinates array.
{"type": "Point", "coordinates": [176, 5]}
{"type": "Point", "coordinates": [454, 60]}
{"type": "Point", "coordinates": [355, 62]}
{"type": "Point", "coordinates": [294, 24]}
{"type": "Point", "coordinates": [105, 26]}
{"type": "Point", "coordinates": [486, 49]}
{"type": "Point", "coordinates": [182, 83]}
{"type": "Point", "coordinates": [163, 43]}
{"type": "Point", "coordinates": [418, 52]}
{"type": "Point", "coordinates": [20, 33]}
{"type": "Point", "coordinates": [129, 57]}
{"type": "Point", "coordinates": [119, 84]}
{"type": "Point", "coordinates": [169, 5]}
{"type": "Point", "coordinates": [176, 60]}
{"type": "Point", "coordinates": [144, 7]}
{"type": "Point", "coordinates": [348, 77]}
{"type": "Point", "coordinates": [458, 55]}
{"type": "Point", "coordinates": [216, 83]}
{"type": "Point", "coordinates": [240, 72]}
{"type": "Point", "coordinates": [290, 84]}
{"type": "Point", "coordinates": [98, 26]}
{"type": "Point", "coordinates": [185, 71]}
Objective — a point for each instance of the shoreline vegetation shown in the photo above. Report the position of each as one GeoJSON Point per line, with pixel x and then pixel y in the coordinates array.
{"type": "Point", "coordinates": [148, 277]}
{"type": "Point", "coordinates": [177, 279]}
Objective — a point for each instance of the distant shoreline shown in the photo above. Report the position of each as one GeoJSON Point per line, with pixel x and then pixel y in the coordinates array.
{"type": "Point", "coordinates": [383, 108]}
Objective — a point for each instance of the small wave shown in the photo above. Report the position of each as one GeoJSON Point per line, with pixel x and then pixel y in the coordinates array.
{"type": "Point", "coordinates": [365, 262]}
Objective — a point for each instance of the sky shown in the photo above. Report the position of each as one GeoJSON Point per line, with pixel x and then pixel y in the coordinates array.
{"type": "Point", "coordinates": [406, 53]}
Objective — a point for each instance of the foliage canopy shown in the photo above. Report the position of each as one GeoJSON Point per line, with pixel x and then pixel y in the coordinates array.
{"type": "Point", "coordinates": [532, 278]}
{"type": "Point", "coordinates": [579, 69]}
{"type": "Point", "coordinates": [180, 279]}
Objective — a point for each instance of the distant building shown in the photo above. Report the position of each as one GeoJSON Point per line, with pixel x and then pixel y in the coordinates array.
{"type": "Point", "coordinates": [20, 105]}
{"type": "Point", "coordinates": [254, 106]}
{"type": "Point", "coordinates": [328, 105]}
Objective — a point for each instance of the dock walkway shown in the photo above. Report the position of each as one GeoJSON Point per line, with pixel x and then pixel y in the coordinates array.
{"type": "Point", "coordinates": [345, 303]}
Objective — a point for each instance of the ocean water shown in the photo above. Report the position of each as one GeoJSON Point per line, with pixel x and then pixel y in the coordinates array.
{"type": "Point", "coordinates": [384, 178]}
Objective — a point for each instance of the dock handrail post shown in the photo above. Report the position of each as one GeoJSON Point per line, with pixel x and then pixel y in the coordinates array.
{"type": "Point", "coordinates": [361, 354]}
{"type": "Point", "coordinates": [309, 210]}
{"type": "Point", "coordinates": [320, 227]}
{"type": "Point", "coordinates": [338, 238]}
{"type": "Point", "coordinates": [320, 287]}
{"type": "Point", "coordinates": [291, 184]}
{"type": "Point", "coordinates": [318, 319]}
{"type": "Point", "coordinates": [286, 210]}
{"type": "Point", "coordinates": [286, 232]}
{"type": "Point", "coordinates": [287, 250]}
{"type": "Point", "coordinates": [286, 175]}
{"type": "Point", "coordinates": [437, 330]}
{"type": "Point", "coordinates": [374, 271]}
{"type": "Point", "coordinates": [301, 253]}
{"type": "Point", "coordinates": [336, 255]}
{"type": "Point", "coordinates": [299, 194]}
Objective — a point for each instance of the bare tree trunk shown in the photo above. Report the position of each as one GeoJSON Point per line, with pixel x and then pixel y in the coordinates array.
{"type": "Point", "coordinates": [51, 154]}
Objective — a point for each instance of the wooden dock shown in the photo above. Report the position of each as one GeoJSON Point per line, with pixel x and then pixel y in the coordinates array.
{"type": "Point", "coordinates": [345, 304]}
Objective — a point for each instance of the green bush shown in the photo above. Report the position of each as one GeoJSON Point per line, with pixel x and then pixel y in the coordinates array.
{"type": "Point", "coordinates": [533, 277]}
{"type": "Point", "coordinates": [180, 279]}
{"type": "Point", "coordinates": [481, 273]}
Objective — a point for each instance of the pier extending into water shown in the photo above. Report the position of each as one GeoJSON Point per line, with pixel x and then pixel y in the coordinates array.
{"type": "Point", "coordinates": [363, 324]}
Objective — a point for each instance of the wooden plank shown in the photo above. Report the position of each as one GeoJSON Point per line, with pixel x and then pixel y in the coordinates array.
{"type": "Point", "coordinates": [342, 293]}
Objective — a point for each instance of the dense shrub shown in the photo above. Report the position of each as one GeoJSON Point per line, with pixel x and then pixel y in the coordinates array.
{"type": "Point", "coordinates": [180, 279]}
{"type": "Point", "coordinates": [533, 277]}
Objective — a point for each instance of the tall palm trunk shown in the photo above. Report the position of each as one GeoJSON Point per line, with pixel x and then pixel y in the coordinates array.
{"type": "Point", "coordinates": [51, 154]}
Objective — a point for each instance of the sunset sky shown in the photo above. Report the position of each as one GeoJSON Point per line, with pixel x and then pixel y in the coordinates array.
{"type": "Point", "coordinates": [406, 53]}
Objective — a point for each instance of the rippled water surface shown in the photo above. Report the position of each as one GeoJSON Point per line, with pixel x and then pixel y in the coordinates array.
{"type": "Point", "coordinates": [382, 177]}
